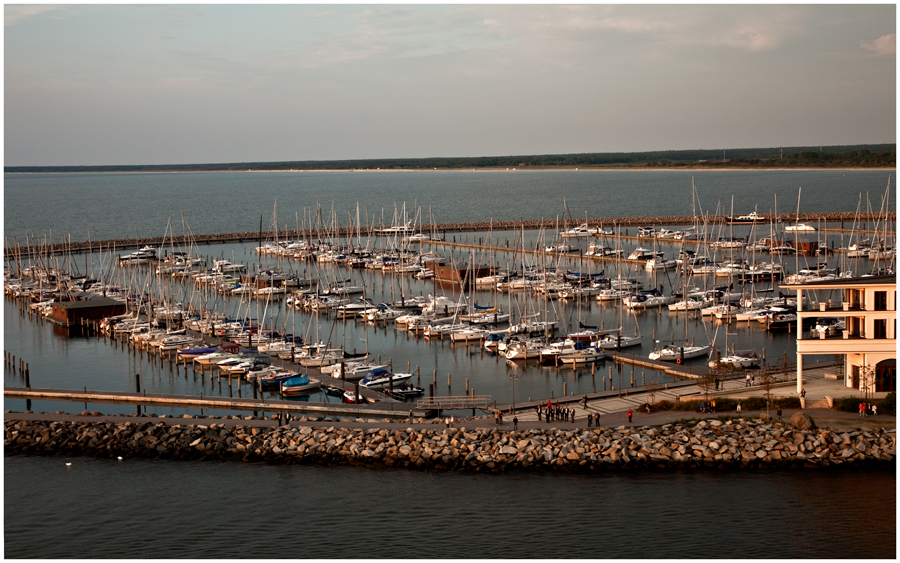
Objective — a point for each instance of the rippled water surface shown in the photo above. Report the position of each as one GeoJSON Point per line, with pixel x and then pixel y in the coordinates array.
{"type": "Point", "coordinates": [101, 508]}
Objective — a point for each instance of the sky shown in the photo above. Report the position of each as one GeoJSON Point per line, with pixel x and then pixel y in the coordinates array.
{"type": "Point", "coordinates": [175, 84]}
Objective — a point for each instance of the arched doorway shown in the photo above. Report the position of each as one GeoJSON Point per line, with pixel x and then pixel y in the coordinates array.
{"type": "Point", "coordinates": [885, 376]}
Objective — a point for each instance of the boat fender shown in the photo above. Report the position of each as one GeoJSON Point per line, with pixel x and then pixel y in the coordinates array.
{"type": "Point", "coordinates": [678, 360]}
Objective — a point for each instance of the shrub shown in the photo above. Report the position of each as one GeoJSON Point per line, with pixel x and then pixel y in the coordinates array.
{"type": "Point", "coordinates": [850, 404]}
{"type": "Point", "coordinates": [889, 403]}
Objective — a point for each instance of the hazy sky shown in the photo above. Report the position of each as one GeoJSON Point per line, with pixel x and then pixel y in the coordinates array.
{"type": "Point", "coordinates": [127, 84]}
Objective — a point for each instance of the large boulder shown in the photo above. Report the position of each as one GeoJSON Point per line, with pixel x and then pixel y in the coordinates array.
{"type": "Point", "coordinates": [802, 421]}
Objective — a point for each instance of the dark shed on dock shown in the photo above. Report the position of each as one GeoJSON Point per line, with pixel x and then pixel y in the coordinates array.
{"type": "Point", "coordinates": [71, 312]}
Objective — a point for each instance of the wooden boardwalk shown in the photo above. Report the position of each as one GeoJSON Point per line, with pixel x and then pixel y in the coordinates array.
{"type": "Point", "coordinates": [381, 410]}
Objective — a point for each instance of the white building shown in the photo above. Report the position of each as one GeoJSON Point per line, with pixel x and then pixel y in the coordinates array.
{"type": "Point", "coordinates": [868, 341]}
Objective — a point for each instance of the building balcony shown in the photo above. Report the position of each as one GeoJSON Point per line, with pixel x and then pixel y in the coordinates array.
{"type": "Point", "coordinates": [844, 343]}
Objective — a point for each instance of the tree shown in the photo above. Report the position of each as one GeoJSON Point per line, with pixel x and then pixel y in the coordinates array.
{"type": "Point", "coordinates": [652, 389]}
{"type": "Point", "coordinates": [767, 380]}
{"type": "Point", "coordinates": [707, 382]}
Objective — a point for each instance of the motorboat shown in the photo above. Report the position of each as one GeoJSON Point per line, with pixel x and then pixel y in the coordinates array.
{"type": "Point", "coordinates": [616, 341]}
{"type": "Point", "coordinates": [299, 385]}
{"type": "Point", "coordinates": [406, 389]}
{"type": "Point", "coordinates": [646, 300]}
{"type": "Point", "coordinates": [579, 231]}
{"type": "Point", "coordinates": [224, 266]}
{"type": "Point", "coordinates": [552, 354]}
{"type": "Point", "coordinates": [641, 253]}
{"type": "Point", "coordinates": [352, 398]}
{"type": "Point", "coordinates": [189, 352]}
{"type": "Point", "coordinates": [525, 349]}
{"type": "Point", "coordinates": [468, 334]}
{"type": "Point", "coordinates": [274, 378]}
{"type": "Point", "coordinates": [612, 294]}
{"type": "Point", "coordinates": [583, 356]}
{"type": "Point", "coordinates": [380, 378]}
{"type": "Point", "coordinates": [692, 303]}
{"type": "Point", "coordinates": [739, 359]}
{"type": "Point", "coordinates": [674, 353]}
{"type": "Point", "coordinates": [658, 262]}
{"type": "Point", "coordinates": [356, 369]}
{"type": "Point", "coordinates": [558, 248]}
{"type": "Point", "coordinates": [799, 227]}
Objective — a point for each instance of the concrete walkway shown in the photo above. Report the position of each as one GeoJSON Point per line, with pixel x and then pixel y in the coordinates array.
{"type": "Point", "coordinates": [819, 384]}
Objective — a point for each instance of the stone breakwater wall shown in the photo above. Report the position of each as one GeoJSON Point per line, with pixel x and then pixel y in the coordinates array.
{"type": "Point", "coordinates": [478, 226]}
{"type": "Point", "coordinates": [738, 443]}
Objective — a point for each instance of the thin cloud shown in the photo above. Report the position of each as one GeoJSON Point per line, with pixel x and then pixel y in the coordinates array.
{"type": "Point", "coordinates": [15, 14]}
{"type": "Point", "coordinates": [884, 45]}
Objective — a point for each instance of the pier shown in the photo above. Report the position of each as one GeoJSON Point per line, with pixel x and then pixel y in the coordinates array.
{"type": "Point", "coordinates": [382, 410]}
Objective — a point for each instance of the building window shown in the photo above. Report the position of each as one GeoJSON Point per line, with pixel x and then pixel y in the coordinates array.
{"type": "Point", "coordinates": [881, 300]}
{"type": "Point", "coordinates": [880, 328]}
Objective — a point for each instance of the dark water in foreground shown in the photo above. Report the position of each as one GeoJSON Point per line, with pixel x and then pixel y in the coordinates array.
{"type": "Point", "coordinates": [148, 509]}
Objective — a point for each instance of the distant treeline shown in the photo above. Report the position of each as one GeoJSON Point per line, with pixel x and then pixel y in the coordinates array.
{"type": "Point", "coordinates": [843, 156]}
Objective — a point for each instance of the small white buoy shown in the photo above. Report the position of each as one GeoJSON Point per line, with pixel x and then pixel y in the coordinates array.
{"type": "Point", "coordinates": [120, 458]}
{"type": "Point", "coordinates": [69, 463]}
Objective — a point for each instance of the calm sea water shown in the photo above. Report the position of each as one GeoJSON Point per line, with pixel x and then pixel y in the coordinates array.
{"type": "Point", "coordinates": [96, 508]}
{"type": "Point", "coordinates": [108, 509]}
{"type": "Point", "coordinates": [107, 206]}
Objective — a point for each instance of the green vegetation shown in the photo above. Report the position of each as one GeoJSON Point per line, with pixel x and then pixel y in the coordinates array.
{"type": "Point", "coordinates": [842, 156]}
{"type": "Point", "coordinates": [888, 405]}
{"type": "Point", "coordinates": [748, 404]}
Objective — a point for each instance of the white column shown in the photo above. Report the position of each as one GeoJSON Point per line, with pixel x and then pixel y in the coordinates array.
{"type": "Point", "coordinates": [799, 372]}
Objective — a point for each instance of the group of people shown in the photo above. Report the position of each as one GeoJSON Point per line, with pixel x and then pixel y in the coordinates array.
{"type": "Point", "coordinates": [708, 407]}
{"type": "Point", "coordinates": [552, 412]}
{"type": "Point", "coordinates": [283, 419]}
{"type": "Point", "coordinates": [864, 409]}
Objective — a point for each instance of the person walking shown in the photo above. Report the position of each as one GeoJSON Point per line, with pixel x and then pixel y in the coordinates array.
{"type": "Point", "coordinates": [874, 409]}
{"type": "Point", "coordinates": [862, 411]}
{"type": "Point", "coordinates": [584, 401]}
{"type": "Point", "coordinates": [589, 420]}
{"type": "Point", "coordinates": [629, 416]}
{"type": "Point", "coordinates": [748, 380]}
{"type": "Point", "coordinates": [573, 416]}
{"type": "Point", "coordinates": [515, 423]}
{"type": "Point", "coordinates": [539, 412]}
{"type": "Point", "coordinates": [739, 405]}
{"type": "Point", "coordinates": [778, 412]}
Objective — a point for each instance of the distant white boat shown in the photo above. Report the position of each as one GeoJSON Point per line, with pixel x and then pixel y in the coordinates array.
{"type": "Point", "coordinates": [799, 227]}
{"type": "Point", "coordinates": [580, 231]}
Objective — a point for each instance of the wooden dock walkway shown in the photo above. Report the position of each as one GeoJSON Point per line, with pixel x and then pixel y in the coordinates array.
{"type": "Point", "coordinates": [380, 410]}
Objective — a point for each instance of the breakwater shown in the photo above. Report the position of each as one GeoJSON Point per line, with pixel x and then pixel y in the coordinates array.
{"type": "Point", "coordinates": [730, 444]}
{"type": "Point", "coordinates": [22, 248]}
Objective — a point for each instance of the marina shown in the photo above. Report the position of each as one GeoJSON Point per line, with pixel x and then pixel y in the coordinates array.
{"type": "Point", "coordinates": [303, 281]}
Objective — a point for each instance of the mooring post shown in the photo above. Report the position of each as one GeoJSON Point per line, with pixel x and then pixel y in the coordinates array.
{"type": "Point", "coordinates": [137, 379]}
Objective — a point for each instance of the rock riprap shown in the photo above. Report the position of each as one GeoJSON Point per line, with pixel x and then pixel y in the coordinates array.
{"type": "Point", "coordinates": [737, 443]}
